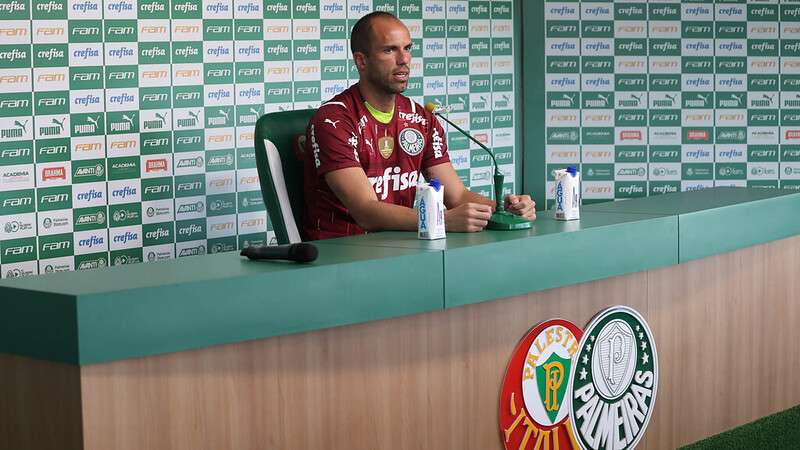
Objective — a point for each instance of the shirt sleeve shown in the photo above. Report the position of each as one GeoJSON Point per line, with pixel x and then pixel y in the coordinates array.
{"type": "Point", "coordinates": [436, 146]}
{"type": "Point", "coordinates": [333, 141]}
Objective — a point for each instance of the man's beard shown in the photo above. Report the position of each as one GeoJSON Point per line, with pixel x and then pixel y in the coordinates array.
{"type": "Point", "coordinates": [386, 85]}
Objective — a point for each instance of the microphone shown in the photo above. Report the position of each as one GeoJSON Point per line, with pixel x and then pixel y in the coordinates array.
{"type": "Point", "coordinates": [501, 219]}
{"type": "Point", "coordinates": [438, 109]}
{"type": "Point", "coordinates": [302, 252]}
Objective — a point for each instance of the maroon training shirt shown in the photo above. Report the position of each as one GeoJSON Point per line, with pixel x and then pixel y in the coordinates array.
{"type": "Point", "coordinates": [343, 134]}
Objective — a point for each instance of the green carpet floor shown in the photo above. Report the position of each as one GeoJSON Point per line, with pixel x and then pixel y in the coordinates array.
{"type": "Point", "coordinates": [776, 432]}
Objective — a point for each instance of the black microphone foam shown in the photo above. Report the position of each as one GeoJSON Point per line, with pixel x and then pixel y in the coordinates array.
{"type": "Point", "coordinates": [302, 252]}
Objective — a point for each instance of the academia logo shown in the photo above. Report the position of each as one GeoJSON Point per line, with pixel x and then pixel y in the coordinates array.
{"type": "Point", "coordinates": [614, 382]}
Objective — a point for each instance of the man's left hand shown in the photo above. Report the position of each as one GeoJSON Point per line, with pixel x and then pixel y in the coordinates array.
{"type": "Point", "coordinates": [521, 205]}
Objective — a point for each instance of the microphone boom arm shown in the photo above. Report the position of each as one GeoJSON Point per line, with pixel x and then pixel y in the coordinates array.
{"type": "Point", "coordinates": [501, 219]}
{"type": "Point", "coordinates": [471, 138]}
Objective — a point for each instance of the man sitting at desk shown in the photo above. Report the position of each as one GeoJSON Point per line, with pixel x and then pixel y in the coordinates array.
{"type": "Point", "coordinates": [367, 147]}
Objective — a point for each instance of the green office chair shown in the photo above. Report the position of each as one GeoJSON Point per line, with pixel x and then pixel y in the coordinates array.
{"type": "Point", "coordinates": [280, 139]}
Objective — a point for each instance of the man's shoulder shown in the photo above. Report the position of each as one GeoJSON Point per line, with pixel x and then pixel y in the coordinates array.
{"type": "Point", "coordinates": [339, 108]}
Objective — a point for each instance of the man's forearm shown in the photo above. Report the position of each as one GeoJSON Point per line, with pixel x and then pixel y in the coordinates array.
{"type": "Point", "coordinates": [377, 216]}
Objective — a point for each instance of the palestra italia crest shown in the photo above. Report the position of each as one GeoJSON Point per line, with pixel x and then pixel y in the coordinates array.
{"type": "Point", "coordinates": [534, 400]}
{"type": "Point", "coordinates": [614, 381]}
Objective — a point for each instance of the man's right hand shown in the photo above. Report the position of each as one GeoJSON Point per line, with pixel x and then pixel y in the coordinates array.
{"type": "Point", "coordinates": [467, 217]}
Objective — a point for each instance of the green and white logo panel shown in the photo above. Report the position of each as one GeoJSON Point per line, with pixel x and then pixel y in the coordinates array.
{"type": "Point", "coordinates": [614, 381]}
{"type": "Point", "coordinates": [712, 79]}
{"type": "Point", "coordinates": [137, 141]}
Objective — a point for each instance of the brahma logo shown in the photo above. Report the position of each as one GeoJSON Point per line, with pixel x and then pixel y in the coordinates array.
{"type": "Point", "coordinates": [697, 135]}
{"type": "Point", "coordinates": [156, 165]}
{"type": "Point", "coordinates": [630, 135]}
{"type": "Point", "coordinates": [54, 173]}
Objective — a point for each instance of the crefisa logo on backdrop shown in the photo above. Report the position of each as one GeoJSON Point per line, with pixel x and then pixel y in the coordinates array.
{"type": "Point", "coordinates": [587, 390]}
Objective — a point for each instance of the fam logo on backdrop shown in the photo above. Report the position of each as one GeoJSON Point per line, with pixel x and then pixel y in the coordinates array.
{"type": "Point", "coordinates": [587, 390]}
{"type": "Point", "coordinates": [122, 113]}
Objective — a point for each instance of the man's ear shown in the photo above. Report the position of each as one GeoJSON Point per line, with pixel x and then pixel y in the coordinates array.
{"type": "Point", "coordinates": [360, 60]}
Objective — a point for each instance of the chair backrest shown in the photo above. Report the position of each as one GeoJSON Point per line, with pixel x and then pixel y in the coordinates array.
{"type": "Point", "coordinates": [279, 143]}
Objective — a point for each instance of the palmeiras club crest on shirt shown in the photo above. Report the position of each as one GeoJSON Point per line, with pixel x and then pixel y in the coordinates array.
{"type": "Point", "coordinates": [614, 380]}
{"type": "Point", "coordinates": [534, 400]}
{"type": "Point", "coordinates": [411, 141]}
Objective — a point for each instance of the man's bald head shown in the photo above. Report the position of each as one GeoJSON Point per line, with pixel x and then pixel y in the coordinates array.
{"type": "Point", "coordinates": [361, 35]}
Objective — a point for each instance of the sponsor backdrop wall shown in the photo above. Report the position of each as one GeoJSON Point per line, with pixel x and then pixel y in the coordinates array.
{"type": "Point", "coordinates": [669, 96]}
{"type": "Point", "coordinates": [126, 128]}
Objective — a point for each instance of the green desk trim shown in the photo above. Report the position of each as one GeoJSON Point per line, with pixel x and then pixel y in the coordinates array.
{"type": "Point", "coordinates": [719, 220]}
{"type": "Point", "coordinates": [148, 317]}
{"type": "Point", "coordinates": [88, 317]}
{"type": "Point", "coordinates": [495, 264]}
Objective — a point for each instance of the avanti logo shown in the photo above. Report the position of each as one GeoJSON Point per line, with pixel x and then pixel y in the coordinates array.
{"type": "Point", "coordinates": [192, 207]}
{"type": "Point", "coordinates": [95, 218]}
{"type": "Point", "coordinates": [96, 170]}
{"type": "Point", "coordinates": [192, 251]}
{"type": "Point", "coordinates": [95, 263]}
